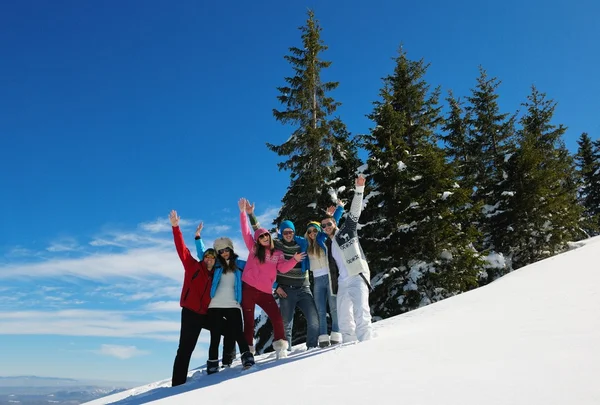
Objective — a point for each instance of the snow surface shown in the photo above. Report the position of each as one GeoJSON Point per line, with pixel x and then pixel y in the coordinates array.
{"type": "Point", "coordinates": [531, 337]}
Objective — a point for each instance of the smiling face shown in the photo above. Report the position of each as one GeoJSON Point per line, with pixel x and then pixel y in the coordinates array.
{"type": "Point", "coordinates": [225, 253]}
{"type": "Point", "coordinates": [209, 260]}
{"type": "Point", "coordinates": [312, 232]}
{"type": "Point", "coordinates": [328, 226]}
{"type": "Point", "coordinates": [265, 239]}
{"type": "Point", "coordinates": [288, 234]}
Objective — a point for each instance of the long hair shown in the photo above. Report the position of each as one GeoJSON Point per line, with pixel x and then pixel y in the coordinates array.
{"type": "Point", "coordinates": [313, 247]}
{"type": "Point", "coordinates": [261, 251]}
{"type": "Point", "coordinates": [231, 266]}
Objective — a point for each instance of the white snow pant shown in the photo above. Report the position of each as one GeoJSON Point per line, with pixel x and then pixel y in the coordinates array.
{"type": "Point", "coordinates": [354, 314]}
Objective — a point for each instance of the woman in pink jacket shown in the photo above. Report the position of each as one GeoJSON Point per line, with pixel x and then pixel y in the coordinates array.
{"type": "Point", "coordinates": [258, 278]}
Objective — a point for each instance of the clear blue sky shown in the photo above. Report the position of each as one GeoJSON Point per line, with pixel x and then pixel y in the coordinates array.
{"type": "Point", "coordinates": [113, 113]}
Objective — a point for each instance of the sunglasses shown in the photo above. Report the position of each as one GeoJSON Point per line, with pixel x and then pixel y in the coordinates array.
{"type": "Point", "coordinates": [313, 230]}
{"type": "Point", "coordinates": [326, 224]}
{"type": "Point", "coordinates": [264, 235]}
{"type": "Point", "coordinates": [228, 250]}
{"type": "Point", "coordinates": [288, 232]}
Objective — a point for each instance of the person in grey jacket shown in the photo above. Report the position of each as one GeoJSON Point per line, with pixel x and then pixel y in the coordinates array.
{"type": "Point", "coordinates": [349, 266]}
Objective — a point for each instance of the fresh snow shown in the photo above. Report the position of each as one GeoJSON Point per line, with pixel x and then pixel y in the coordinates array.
{"type": "Point", "coordinates": [529, 338]}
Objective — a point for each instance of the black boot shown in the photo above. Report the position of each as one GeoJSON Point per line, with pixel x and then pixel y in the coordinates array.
{"type": "Point", "coordinates": [212, 366]}
{"type": "Point", "coordinates": [247, 360]}
{"type": "Point", "coordinates": [228, 358]}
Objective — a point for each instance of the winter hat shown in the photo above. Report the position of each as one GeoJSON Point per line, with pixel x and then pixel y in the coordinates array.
{"type": "Point", "coordinates": [285, 225]}
{"type": "Point", "coordinates": [223, 243]}
{"type": "Point", "coordinates": [259, 232]}
{"type": "Point", "coordinates": [314, 224]}
{"type": "Point", "coordinates": [209, 251]}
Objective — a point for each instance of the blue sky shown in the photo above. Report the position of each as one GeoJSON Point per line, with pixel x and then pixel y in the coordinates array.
{"type": "Point", "coordinates": [114, 113]}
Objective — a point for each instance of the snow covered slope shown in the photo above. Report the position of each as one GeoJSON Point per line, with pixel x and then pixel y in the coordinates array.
{"type": "Point", "coordinates": [532, 337]}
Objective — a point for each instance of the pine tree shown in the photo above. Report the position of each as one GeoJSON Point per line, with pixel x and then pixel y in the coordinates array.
{"type": "Point", "coordinates": [588, 164]}
{"type": "Point", "coordinates": [412, 229]}
{"type": "Point", "coordinates": [540, 212]}
{"type": "Point", "coordinates": [320, 142]}
{"type": "Point", "coordinates": [491, 142]}
{"type": "Point", "coordinates": [320, 154]}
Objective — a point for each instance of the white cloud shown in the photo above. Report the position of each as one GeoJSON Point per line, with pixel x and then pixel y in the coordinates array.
{"type": "Point", "coordinates": [121, 352]}
{"type": "Point", "coordinates": [87, 322]}
{"type": "Point", "coordinates": [163, 306]}
{"type": "Point", "coordinates": [63, 245]}
{"type": "Point", "coordinates": [220, 228]}
{"type": "Point", "coordinates": [267, 217]}
{"type": "Point", "coordinates": [163, 225]}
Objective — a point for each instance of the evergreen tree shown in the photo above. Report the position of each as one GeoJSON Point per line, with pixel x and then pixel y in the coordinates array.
{"type": "Point", "coordinates": [412, 232]}
{"type": "Point", "coordinates": [491, 142]}
{"type": "Point", "coordinates": [539, 213]}
{"type": "Point", "coordinates": [320, 154]}
{"type": "Point", "coordinates": [458, 145]}
{"type": "Point", "coordinates": [319, 151]}
{"type": "Point", "coordinates": [588, 164]}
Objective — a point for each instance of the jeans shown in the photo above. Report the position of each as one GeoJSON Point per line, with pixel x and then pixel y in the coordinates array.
{"type": "Point", "coordinates": [303, 299]}
{"type": "Point", "coordinates": [322, 298]}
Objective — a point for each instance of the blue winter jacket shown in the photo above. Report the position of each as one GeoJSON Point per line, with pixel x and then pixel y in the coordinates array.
{"type": "Point", "coordinates": [200, 248]}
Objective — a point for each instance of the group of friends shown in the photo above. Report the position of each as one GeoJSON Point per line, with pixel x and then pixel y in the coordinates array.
{"type": "Point", "coordinates": [220, 291]}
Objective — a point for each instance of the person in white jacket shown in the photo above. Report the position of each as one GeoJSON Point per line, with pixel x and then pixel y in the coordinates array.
{"type": "Point", "coordinates": [348, 262]}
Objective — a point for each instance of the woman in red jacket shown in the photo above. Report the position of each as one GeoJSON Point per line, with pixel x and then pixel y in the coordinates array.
{"type": "Point", "coordinates": [195, 297]}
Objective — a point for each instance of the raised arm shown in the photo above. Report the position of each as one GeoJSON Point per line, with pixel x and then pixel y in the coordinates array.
{"type": "Point", "coordinates": [253, 220]}
{"type": "Point", "coordinates": [248, 239]}
{"type": "Point", "coordinates": [184, 253]}
{"type": "Point", "coordinates": [357, 201]}
{"type": "Point", "coordinates": [200, 248]}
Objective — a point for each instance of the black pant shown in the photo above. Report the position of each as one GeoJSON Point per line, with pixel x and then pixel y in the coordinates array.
{"type": "Point", "coordinates": [191, 325]}
{"type": "Point", "coordinates": [226, 322]}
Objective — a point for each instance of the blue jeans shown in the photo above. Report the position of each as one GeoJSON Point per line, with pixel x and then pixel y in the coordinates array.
{"type": "Point", "coordinates": [322, 297]}
{"type": "Point", "coordinates": [303, 299]}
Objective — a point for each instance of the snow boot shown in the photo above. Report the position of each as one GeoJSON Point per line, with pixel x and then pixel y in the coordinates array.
{"type": "Point", "coordinates": [212, 366]}
{"type": "Point", "coordinates": [336, 338]}
{"type": "Point", "coordinates": [247, 360]}
{"type": "Point", "coordinates": [323, 340]}
{"type": "Point", "coordinates": [228, 359]}
{"type": "Point", "coordinates": [280, 346]}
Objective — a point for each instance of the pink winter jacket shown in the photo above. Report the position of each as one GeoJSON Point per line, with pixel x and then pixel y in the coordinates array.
{"type": "Point", "coordinates": [262, 275]}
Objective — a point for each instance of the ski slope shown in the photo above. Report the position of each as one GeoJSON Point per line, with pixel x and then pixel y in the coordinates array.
{"type": "Point", "coordinates": [531, 337]}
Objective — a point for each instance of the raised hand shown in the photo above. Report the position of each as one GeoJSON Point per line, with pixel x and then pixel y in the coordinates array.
{"type": "Point", "coordinates": [249, 208]}
{"type": "Point", "coordinates": [360, 180]}
{"type": "Point", "coordinates": [340, 203]}
{"type": "Point", "coordinates": [330, 210]}
{"type": "Point", "coordinates": [199, 229]}
{"type": "Point", "coordinates": [242, 204]}
{"type": "Point", "coordinates": [174, 218]}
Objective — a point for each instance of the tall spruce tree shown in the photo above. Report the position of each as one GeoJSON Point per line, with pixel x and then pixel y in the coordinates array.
{"type": "Point", "coordinates": [418, 250]}
{"type": "Point", "coordinates": [491, 142]}
{"type": "Point", "coordinates": [588, 164]}
{"type": "Point", "coordinates": [539, 213]}
{"type": "Point", "coordinates": [320, 154]}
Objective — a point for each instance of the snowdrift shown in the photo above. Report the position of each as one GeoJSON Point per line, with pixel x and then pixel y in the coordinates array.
{"type": "Point", "coordinates": [531, 337]}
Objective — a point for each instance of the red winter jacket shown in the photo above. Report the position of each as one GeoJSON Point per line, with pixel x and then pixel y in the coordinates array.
{"type": "Point", "coordinates": [195, 294]}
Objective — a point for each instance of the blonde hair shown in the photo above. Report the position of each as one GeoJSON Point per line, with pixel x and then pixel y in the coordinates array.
{"type": "Point", "coordinates": [313, 247]}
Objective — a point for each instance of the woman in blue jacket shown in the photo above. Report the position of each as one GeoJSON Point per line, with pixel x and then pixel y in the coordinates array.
{"type": "Point", "coordinates": [224, 311]}
{"type": "Point", "coordinates": [317, 261]}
